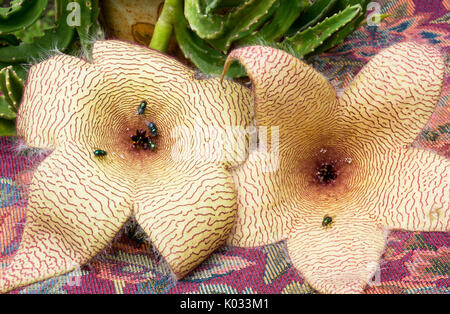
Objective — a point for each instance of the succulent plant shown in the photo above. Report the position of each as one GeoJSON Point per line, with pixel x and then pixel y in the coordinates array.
{"type": "Point", "coordinates": [58, 37]}
{"type": "Point", "coordinates": [11, 86]}
{"type": "Point", "coordinates": [20, 14]}
{"type": "Point", "coordinates": [21, 44]}
{"type": "Point", "coordinates": [207, 29]}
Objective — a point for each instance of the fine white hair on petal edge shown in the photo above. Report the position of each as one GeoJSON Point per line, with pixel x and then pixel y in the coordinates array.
{"type": "Point", "coordinates": [81, 53]}
{"type": "Point", "coordinates": [22, 149]}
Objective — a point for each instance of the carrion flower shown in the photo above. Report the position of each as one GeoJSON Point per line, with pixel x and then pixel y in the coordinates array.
{"type": "Point", "coordinates": [132, 132]}
{"type": "Point", "coordinates": [344, 170]}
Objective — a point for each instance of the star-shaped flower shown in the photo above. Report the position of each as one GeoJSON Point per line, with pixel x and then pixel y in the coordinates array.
{"type": "Point", "coordinates": [341, 171]}
{"type": "Point", "coordinates": [132, 132]}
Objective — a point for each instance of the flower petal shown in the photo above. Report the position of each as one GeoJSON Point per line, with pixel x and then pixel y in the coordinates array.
{"type": "Point", "coordinates": [288, 93]}
{"type": "Point", "coordinates": [175, 98]}
{"type": "Point", "coordinates": [50, 100]}
{"type": "Point", "coordinates": [68, 99]}
{"type": "Point", "coordinates": [412, 187]}
{"type": "Point", "coordinates": [291, 96]}
{"type": "Point", "coordinates": [75, 209]}
{"type": "Point", "coordinates": [136, 64]}
{"type": "Point", "coordinates": [212, 117]}
{"type": "Point", "coordinates": [265, 202]}
{"type": "Point", "coordinates": [275, 187]}
{"type": "Point", "coordinates": [393, 96]}
{"type": "Point", "coordinates": [187, 213]}
{"type": "Point", "coordinates": [341, 257]}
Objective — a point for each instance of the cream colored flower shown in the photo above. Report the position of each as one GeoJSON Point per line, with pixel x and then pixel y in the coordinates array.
{"type": "Point", "coordinates": [102, 169]}
{"type": "Point", "coordinates": [344, 171]}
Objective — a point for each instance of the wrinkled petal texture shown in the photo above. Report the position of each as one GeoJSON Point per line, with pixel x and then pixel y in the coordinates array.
{"type": "Point", "coordinates": [412, 189]}
{"type": "Point", "coordinates": [264, 208]}
{"type": "Point", "coordinates": [48, 104]}
{"type": "Point", "coordinates": [287, 92]}
{"type": "Point", "coordinates": [188, 215]}
{"type": "Point", "coordinates": [382, 112]}
{"type": "Point", "coordinates": [393, 96]}
{"type": "Point", "coordinates": [77, 107]}
{"type": "Point", "coordinates": [186, 200]}
{"type": "Point", "coordinates": [74, 210]}
{"type": "Point", "coordinates": [377, 180]}
{"type": "Point", "coordinates": [298, 103]}
{"type": "Point", "coordinates": [95, 104]}
{"type": "Point", "coordinates": [340, 258]}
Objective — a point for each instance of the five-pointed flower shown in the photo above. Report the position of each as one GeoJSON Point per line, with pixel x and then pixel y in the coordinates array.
{"type": "Point", "coordinates": [343, 171]}
{"type": "Point", "coordinates": [132, 132]}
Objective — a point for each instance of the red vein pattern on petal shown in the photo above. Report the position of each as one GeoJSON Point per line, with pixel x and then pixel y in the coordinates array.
{"type": "Point", "coordinates": [265, 205]}
{"type": "Point", "coordinates": [186, 215]}
{"type": "Point", "coordinates": [287, 92]}
{"type": "Point", "coordinates": [394, 95]}
{"type": "Point", "coordinates": [341, 257]}
{"type": "Point", "coordinates": [412, 187]}
{"type": "Point", "coordinates": [67, 222]}
{"type": "Point", "coordinates": [50, 101]}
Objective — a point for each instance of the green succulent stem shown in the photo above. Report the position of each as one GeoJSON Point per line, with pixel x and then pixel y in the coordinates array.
{"type": "Point", "coordinates": [205, 57]}
{"type": "Point", "coordinates": [26, 35]}
{"type": "Point", "coordinates": [164, 25]}
{"type": "Point", "coordinates": [307, 41]}
{"type": "Point", "coordinates": [20, 14]}
{"type": "Point", "coordinates": [58, 37]}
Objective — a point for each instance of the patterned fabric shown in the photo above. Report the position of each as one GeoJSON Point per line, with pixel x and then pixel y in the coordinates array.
{"type": "Point", "coordinates": [413, 262]}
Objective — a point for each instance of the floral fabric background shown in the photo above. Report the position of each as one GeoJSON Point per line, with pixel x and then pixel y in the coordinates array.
{"type": "Point", "coordinates": [413, 262]}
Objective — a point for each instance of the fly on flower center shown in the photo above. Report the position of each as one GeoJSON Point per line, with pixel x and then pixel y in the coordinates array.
{"type": "Point", "coordinates": [131, 132]}
{"type": "Point", "coordinates": [140, 140]}
{"type": "Point", "coordinates": [144, 139]}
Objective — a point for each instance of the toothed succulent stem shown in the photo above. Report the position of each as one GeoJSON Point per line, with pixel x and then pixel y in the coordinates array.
{"type": "Point", "coordinates": [20, 14]}
{"type": "Point", "coordinates": [206, 29]}
{"type": "Point", "coordinates": [71, 17]}
{"type": "Point", "coordinates": [11, 87]}
{"type": "Point", "coordinates": [308, 40]}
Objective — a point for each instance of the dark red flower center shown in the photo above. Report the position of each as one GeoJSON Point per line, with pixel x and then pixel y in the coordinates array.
{"type": "Point", "coordinates": [140, 140]}
{"type": "Point", "coordinates": [329, 172]}
{"type": "Point", "coordinates": [326, 173]}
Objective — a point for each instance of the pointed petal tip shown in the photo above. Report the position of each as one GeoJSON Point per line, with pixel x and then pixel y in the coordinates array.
{"type": "Point", "coordinates": [416, 189]}
{"type": "Point", "coordinates": [66, 225]}
{"type": "Point", "coordinates": [399, 87]}
{"type": "Point", "coordinates": [187, 215]}
{"type": "Point", "coordinates": [340, 258]}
